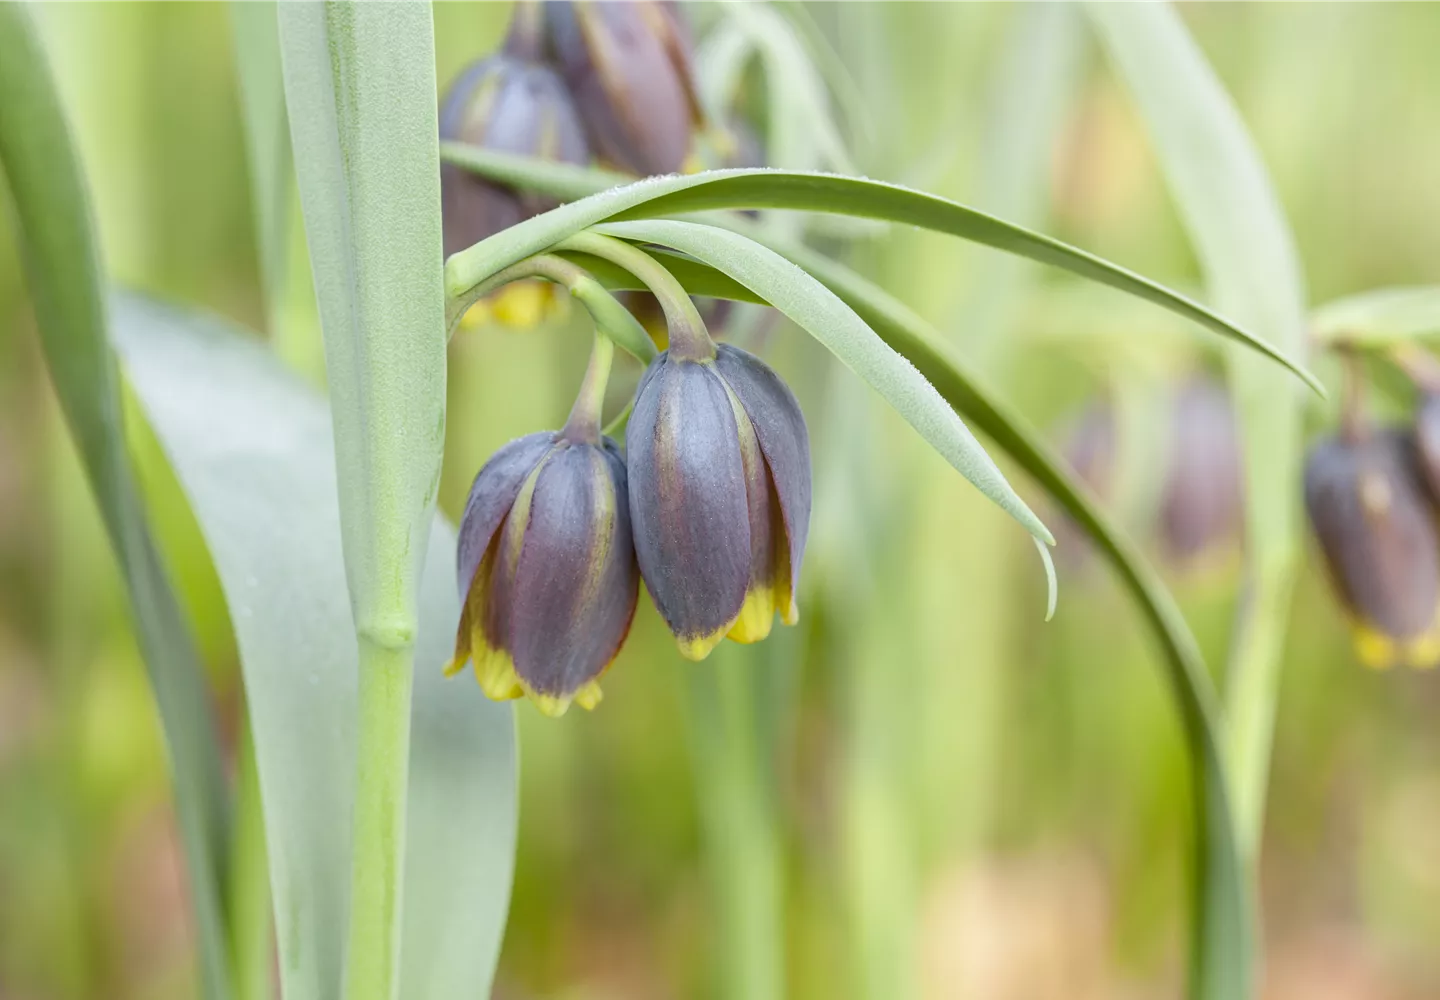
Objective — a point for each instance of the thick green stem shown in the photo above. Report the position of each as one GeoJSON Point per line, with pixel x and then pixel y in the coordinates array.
{"type": "Point", "coordinates": [583, 427]}
{"type": "Point", "coordinates": [249, 910]}
{"type": "Point", "coordinates": [689, 340]}
{"type": "Point", "coordinates": [376, 879]}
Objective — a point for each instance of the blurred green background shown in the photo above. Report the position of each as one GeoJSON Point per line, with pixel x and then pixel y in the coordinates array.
{"type": "Point", "coordinates": [920, 791]}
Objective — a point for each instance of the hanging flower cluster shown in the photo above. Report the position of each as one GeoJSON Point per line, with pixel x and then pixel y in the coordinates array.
{"type": "Point", "coordinates": [709, 504]}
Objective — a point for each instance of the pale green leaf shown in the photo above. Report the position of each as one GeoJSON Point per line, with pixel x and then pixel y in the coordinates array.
{"type": "Point", "coordinates": [718, 189]}
{"type": "Point", "coordinates": [366, 153]}
{"type": "Point", "coordinates": [251, 444]}
{"type": "Point", "coordinates": [1379, 318]}
{"type": "Point", "coordinates": [52, 209]}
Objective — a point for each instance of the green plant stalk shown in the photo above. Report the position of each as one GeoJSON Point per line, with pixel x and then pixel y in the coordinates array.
{"type": "Point", "coordinates": [382, 767]}
{"type": "Point", "coordinates": [360, 95]}
{"type": "Point", "coordinates": [737, 807]}
{"type": "Point", "coordinates": [250, 919]}
{"type": "Point", "coordinates": [52, 208]}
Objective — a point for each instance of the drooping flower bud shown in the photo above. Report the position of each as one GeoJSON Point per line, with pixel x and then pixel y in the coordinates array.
{"type": "Point", "coordinates": [628, 65]}
{"type": "Point", "coordinates": [1202, 507]}
{"type": "Point", "coordinates": [1379, 542]}
{"type": "Point", "coordinates": [719, 463]}
{"type": "Point", "coordinates": [511, 104]}
{"type": "Point", "coordinates": [546, 571]}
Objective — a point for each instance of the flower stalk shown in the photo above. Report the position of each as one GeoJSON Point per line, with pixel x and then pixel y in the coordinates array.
{"type": "Point", "coordinates": [583, 426]}
{"type": "Point", "coordinates": [689, 339]}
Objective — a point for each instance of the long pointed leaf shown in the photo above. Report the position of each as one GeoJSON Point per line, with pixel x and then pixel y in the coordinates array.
{"type": "Point", "coordinates": [252, 446]}
{"type": "Point", "coordinates": [813, 307]}
{"type": "Point", "coordinates": [1222, 864]}
{"type": "Point", "coordinates": [716, 189]}
{"type": "Point", "coordinates": [63, 265]}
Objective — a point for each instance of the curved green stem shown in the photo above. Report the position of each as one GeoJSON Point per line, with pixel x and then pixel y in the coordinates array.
{"type": "Point", "coordinates": [689, 340]}
{"type": "Point", "coordinates": [583, 427]}
{"type": "Point", "coordinates": [611, 318]}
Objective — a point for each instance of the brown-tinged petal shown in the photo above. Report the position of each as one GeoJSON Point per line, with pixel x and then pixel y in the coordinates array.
{"type": "Point", "coordinates": [1379, 543]}
{"type": "Point", "coordinates": [576, 582]}
{"type": "Point", "coordinates": [688, 506]}
{"type": "Point", "coordinates": [780, 429]}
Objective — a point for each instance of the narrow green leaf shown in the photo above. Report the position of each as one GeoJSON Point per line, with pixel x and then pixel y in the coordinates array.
{"type": "Point", "coordinates": [252, 446]}
{"type": "Point", "coordinates": [52, 208]}
{"type": "Point", "coordinates": [1189, 682]}
{"type": "Point", "coordinates": [1235, 219]}
{"type": "Point", "coordinates": [1379, 318]}
{"type": "Point", "coordinates": [719, 189]}
{"type": "Point", "coordinates": [817, 310]}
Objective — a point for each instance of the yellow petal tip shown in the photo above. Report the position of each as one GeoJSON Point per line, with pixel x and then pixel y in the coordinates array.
{"type": "Point", "coordinates": [589, 696]}
{"type": "Point", "coordinates": [699, 648]}
{"type": "Point", "coordinates": [496, 673]}
{"type": "Point", "coordinates": [757, 616]}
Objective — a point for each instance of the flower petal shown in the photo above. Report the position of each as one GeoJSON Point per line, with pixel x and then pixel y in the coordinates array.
{"type": "Point", "coordinates": [687, 502]}
{"type": "Point", "coordinates": [576, 583]}
{"type": "Point", "coordinates": [493, 493]}
{"type": "Point", "coordinates": [785, 442]}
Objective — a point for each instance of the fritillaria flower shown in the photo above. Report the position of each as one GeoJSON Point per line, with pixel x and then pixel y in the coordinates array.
{"type": "Point", "coordinates": [1377, 534]}
{"type": "Point", "coordinates": [546, 564]}
{"type": "Point", "coordinates": [719, 464]}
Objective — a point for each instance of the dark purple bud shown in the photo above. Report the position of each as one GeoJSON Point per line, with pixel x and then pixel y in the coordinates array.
{"type": "Point", "coordinates": [513, 105]}
{"type": "Point", "coordinates": [1202, 508]}
{"type": "Point", "coordinates": [546, 571]}
{"type": "Point", "coordinates": [719, 496]}
{"type": "Point", "coordinates": [628, 65]}
{"type": "Point", "coordinates": [1378, 538]}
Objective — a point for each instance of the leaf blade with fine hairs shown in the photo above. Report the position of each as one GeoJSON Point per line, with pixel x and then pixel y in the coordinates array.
{"type": "Point", "coordinates": [717, 189]}
{"type": "Point", "coordinates": [252, 446]}
{"type": "Point", "coordinates": [813, 307]}
{"type": "Point", "coordinates": [63, 266]}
